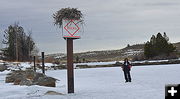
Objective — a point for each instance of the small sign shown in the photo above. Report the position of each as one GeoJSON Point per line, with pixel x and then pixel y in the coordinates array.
{"type": "Point", "coordinates": [71, 27]}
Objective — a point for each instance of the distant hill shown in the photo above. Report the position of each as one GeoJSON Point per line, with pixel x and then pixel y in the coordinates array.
{"type": "Point", "coordinates": [110, 55]}
{"type": "Point", "coordinates": [106, 55]}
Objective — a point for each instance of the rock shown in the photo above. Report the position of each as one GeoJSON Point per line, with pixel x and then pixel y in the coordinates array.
{"type": "Point", "coordinates": [46, 81]}
{"type": "Point", "coordinates": [26, 82]}
{"type": "Point", "coordinates": [3, 67]}
{"type": "Point", "coordinates": [11, 77]}
{"type": "Point", "coordinates": [53, 93]}
{"type": "Point", "coordinates": [29, 78]}
{"type": "Point", "coordinates": [37, 76]}
{"type": "Point", "coordinates": [17, 81]}
{"type": "Point", "coordinates": [30, 74]}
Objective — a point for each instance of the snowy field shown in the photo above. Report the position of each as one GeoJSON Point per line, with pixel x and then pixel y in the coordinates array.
{"type": "Point", "coordinates": [148, 82]}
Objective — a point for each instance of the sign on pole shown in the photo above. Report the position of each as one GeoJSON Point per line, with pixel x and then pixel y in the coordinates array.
{"type": "Point", "coordinates": [71, 28]}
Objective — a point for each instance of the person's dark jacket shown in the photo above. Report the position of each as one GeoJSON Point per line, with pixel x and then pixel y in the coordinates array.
{"type": "Point", "coordinates": [126, 66]}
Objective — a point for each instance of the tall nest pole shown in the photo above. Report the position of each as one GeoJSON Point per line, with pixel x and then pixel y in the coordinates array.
{"type": "Point", "coordinates": [69, 14]}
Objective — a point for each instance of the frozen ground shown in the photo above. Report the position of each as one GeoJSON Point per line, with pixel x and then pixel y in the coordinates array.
{"type": "Point", "coordinates": [101, 83]}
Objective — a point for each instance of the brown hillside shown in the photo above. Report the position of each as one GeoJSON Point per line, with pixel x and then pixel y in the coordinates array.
{"type": "Point", "coordinates": [111, 55]}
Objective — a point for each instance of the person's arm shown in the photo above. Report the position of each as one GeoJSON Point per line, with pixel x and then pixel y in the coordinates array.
{"type": "Point", "coordinates": [130, 65]}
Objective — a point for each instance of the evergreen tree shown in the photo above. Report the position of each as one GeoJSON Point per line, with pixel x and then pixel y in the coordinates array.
{"type": "Point", "coordinates": [128, 45]}
{"type": "Point", "coordinates": [84, 60]}
{"type": "Point", "coordinates": [19, 45]}
{"type": "Point", "coordinates": [77, 59]}
{"type": "Point", "coordinates": [153, 40]}
{"type": "Point", "coordinates": [158, 45]}
{"type": "Point", "coordinates": [165, 36]}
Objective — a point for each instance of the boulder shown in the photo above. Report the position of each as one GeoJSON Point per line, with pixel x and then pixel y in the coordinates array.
{"type": "Point", "coordinates": [26, 82]}
{"type": "Point", "coordinates": [37, 76]}
{"type": "Point", "coordinates": [17, 81]}
{"type": "Point", "coordinates": [3, 67]}
{"type": "Point", "coordinates": [10, 79]}
{"type": "Point", "coordinates": [29, 78]}
{"type": "Point", "coordinates": [29, 74]}
{"type": "Point", "coordinates": [15, 76]}
{"type": "Point", "coordinates": [53, 93]}
{"type": "Point", "coordinates": [46, 81]}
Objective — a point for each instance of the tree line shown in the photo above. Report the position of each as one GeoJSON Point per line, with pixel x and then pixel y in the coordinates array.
{"type": "Point", "coordinates": [158, 45]}
{"type": "Point", "coordinates": [19, 45]}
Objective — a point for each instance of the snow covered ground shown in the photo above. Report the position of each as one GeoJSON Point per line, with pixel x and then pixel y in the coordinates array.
{"type": "Point", "coordinates": [148, 82]}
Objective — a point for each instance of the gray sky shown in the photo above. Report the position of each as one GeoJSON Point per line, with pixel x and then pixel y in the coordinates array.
{"type": "Point", "coordinates": [109, 24]}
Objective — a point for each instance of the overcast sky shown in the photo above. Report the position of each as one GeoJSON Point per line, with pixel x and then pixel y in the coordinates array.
{"type": "Point", "coordinates": [109, 24]}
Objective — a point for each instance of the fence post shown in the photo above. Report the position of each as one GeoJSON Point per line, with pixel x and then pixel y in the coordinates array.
{"type": "Point", "coordinates": [34, 58]}
{"type": "Point", "coordinates": [42, 54]}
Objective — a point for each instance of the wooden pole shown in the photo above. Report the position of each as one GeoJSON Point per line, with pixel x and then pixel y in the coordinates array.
{"type": "Point", "coordinates": [70, 69]}
{"type": "Point", "coordinates": [42, 54]}
{"type": "Point", "coordinates": [34, 58]}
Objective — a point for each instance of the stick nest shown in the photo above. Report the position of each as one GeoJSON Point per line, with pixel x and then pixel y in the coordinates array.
{"type": "Point", "coordinates": [67, 14]}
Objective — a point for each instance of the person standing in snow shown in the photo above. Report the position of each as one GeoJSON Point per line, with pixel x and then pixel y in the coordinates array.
{"type": "Point", "coordinates": [126, 68]}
